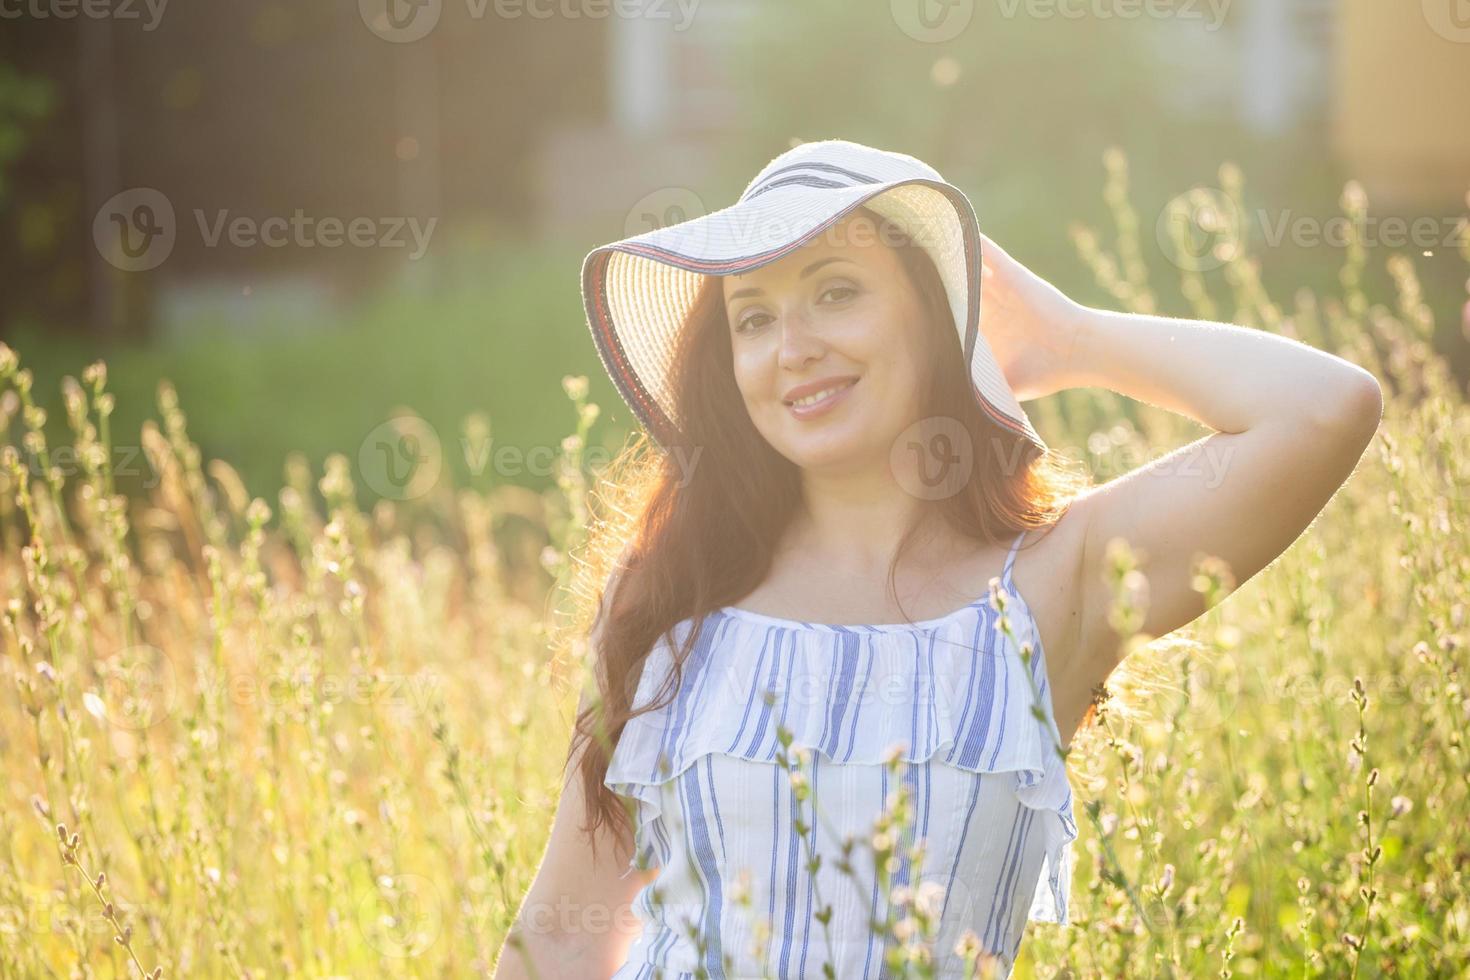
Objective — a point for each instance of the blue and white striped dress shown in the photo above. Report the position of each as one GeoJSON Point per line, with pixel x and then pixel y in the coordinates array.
{"type": "Point", "coordinates": [717, 814]}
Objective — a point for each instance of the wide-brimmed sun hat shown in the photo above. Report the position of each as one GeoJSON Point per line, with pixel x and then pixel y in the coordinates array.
{"type": "Point", "coordinates": [638, 291]}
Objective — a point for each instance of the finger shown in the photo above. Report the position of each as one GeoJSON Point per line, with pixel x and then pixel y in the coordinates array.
{"type": "Point", "coordinates": [988, 247]}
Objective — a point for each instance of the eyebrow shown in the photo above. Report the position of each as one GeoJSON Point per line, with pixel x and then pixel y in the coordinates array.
{"type": "Point", "coordinates": [756, 290]}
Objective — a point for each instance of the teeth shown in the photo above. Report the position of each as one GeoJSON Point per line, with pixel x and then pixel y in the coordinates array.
{"type": "Point", "coordinates": [813, 399]}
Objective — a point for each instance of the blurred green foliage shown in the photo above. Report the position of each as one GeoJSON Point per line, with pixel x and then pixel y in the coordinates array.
{"type": "Point", "coordinates": [24, 101]}
{"type": "Point", "coordinates": [497, 342]}
{"type": "Point", "coordinates": [1019, 111]}
{"type": "Point", "coordinates": [497, 337]}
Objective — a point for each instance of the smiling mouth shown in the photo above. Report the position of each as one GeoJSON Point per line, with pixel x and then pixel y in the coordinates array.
{"type": "Point", "coordinates": [819, 397]}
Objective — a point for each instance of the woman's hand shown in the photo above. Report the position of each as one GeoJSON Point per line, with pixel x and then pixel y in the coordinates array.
{"type": "Point", "coordinates": [1029, 323]}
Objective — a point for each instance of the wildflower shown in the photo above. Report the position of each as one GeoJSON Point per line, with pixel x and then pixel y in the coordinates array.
{"type": "Point", "coordinates": [968, 945]}
{"type": "Point", "coordinates": [928, 898]}
{"type": "Point", "coordinates": [1166, 880]}
{"type": "Point", "coordinates": [575, 385]}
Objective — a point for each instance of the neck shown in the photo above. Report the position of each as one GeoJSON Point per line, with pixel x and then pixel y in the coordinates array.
{"type": "Point", "coordinates": [853, 524]}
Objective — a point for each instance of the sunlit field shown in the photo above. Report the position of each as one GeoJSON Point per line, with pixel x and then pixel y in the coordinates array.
{"type": "Point", "coordinates": [251, 737]}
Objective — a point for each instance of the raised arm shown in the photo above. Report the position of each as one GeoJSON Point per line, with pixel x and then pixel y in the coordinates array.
{"type": "Point", "coordinates": [1291, 422]}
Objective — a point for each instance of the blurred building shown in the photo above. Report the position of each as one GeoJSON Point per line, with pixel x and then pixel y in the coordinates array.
{"type": "Point", "coordinates": [1401, 101]}
{"type": "Point", "coordinates": [1268, 64]}
{"type": "Point", "coordinates": [670, 90]}
{"type": "Point", "coordinates": [255, 110]}
{"type": "Point", "coordinates": [1388, 82]}
{"type": "Point", "coordinates": [587, 129]}
{"type": "Point", "coordinates": [1384, 87]}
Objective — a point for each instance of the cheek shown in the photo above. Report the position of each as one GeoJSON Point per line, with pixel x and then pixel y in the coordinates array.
{"type": "Point", "coordinates": [898, 361]}
{"type": "Point", "coordinates": [881, 330]}
{"type": "Point", "coordinates": [752, 371]}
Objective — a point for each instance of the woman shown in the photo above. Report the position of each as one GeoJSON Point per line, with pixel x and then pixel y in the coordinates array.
{"type": "Point", "coordinates": [828, 768]}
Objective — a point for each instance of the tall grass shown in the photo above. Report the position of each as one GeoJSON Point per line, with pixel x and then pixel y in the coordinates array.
{"type": "Point", "coordinates": [244, 737]}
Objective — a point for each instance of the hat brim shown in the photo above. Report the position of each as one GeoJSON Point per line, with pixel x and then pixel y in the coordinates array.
{"type": "Point", "coordinates": [637, 292]}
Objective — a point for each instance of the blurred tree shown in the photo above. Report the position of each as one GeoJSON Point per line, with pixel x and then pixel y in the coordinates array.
{"type": "Point", "coordinates": [25, 100]}
{"type": "Point", "coordinates": [259, 109]}
{"type": "Point", "coordinates": [1004, 95]}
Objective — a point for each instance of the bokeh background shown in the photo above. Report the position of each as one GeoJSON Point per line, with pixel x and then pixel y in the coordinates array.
{"type": "Point", "coordinates": [516, 136]}
{"type": "Point", "coordinates": [290, 590]}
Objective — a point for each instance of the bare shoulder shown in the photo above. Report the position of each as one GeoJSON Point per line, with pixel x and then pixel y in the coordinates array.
{"type": "Point", "coordinates": [1047, 574]}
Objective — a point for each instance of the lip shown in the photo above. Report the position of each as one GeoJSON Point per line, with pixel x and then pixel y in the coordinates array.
{"type": "Point", "coordinates": [824, 406]}
{"type": "Point", "coordinates": [812, 387]}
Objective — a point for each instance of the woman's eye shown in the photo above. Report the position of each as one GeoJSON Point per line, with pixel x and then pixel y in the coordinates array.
{"type": "Point", "coordinates": [844, 293]}
{"type": "Point", "coordinates": [740, 327]}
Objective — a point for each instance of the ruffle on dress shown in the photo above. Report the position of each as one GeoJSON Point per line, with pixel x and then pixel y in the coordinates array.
{"type": "Point", "coordinates": [952, 689]}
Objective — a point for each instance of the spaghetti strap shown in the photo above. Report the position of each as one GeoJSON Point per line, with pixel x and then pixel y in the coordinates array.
{"type": "Point", "coordinates": [1005, 574]}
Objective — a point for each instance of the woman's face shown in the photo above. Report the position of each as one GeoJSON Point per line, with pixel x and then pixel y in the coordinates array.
{"type": "Point", "coordinates": [838, 313]}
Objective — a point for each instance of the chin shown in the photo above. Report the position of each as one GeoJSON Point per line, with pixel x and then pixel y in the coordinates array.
{"type": "Point", "coordinates": [810, 450]}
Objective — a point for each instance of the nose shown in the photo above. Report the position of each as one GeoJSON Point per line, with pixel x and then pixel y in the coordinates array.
{"type": "Point", "coordinates": [799, 344]}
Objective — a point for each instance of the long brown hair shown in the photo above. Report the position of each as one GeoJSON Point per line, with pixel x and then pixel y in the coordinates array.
{"type": "Point", "coordinates": [698, 521]}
